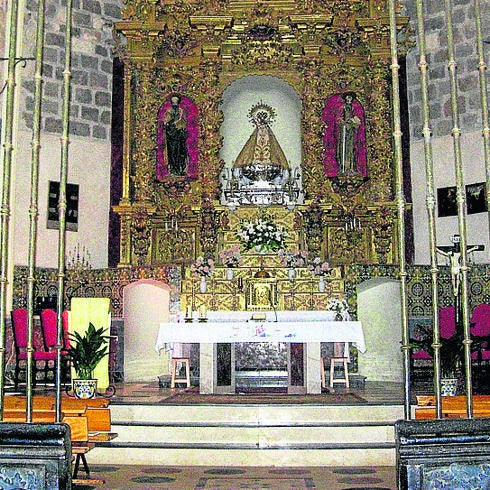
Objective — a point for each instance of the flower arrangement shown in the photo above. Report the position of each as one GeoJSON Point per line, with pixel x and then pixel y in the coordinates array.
{"type": "Point", "coordinates": [203, 266]}
{"type": "Point", "coordinates": [262, 232]}
{"type": "Point", "coordinates": [231, 257]}
{"type": "Point", "coordinates": [319, 268]}
{"type": "Point", "coordinates": [294, 258]}
{"type": "Point", "coordinates": [337, 305]}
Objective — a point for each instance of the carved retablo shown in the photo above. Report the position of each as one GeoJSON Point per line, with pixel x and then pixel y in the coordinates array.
{"type": "Point", "coordinates": [237, 109]}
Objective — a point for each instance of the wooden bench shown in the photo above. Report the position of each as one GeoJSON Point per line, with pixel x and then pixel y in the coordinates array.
{"type": "Point", "coordinates": [38, 416]}
{"type": "Point", "coordinates": [452, 407]}
{"type": "Point", "coordinates": [92, 426]}
{"type": "Point", "coordinates": [99, 424]}
{"type": "Point", "coordinates": [89, 422]}
{"type": "Point", "coordinates": [80, 446]}
{"type": "Point", "coordinates": [15, 409]}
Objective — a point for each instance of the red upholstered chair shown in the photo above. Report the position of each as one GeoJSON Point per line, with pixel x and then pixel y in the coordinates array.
{"type": "Point", "coordinates": [41, 357]}
{"type": "Point", "coordinates": [447, 322]}
{"type": "Point", "coordinates": [64, 318]}
{"type": "Point", "coordinates": [49, 327]}
{"type": "Point", "coordinates": [447, 327]}
{"type": "Point", "coordinates": [480, 327]}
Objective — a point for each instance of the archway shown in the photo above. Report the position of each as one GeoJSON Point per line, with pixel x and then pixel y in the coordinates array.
{"type": "Point", "coordinates": [146, 305]}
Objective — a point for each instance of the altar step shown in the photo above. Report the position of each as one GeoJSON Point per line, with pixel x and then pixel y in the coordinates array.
{"type": "Point", "coordinates": [251, 435]}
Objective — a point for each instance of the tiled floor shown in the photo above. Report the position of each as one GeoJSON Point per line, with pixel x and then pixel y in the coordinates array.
{"type": "Point", "coordinates": [234, 478]}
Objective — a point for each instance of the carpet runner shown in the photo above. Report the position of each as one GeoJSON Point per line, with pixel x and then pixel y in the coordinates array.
{"type": "Point", "coordinates": [265, 399]}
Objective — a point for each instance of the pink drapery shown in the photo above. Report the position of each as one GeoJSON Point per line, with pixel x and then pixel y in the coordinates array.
{"type": "Point", "coordinates": [192, 117]}
{"type": "Point", "coordinates": [332, 115]}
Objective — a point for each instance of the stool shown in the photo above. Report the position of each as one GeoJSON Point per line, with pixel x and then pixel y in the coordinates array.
{"type": "Point", "coordinates": [345, 379]}
{"type": "Point", "coordinates": [177, 364]}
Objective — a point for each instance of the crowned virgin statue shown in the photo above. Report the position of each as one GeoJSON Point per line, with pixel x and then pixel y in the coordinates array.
{"type": "Point", "coordinates": [261, 173]}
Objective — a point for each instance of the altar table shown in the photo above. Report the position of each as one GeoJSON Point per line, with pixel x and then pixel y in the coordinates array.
{"type": "Point", "coordinates": [289, 329]}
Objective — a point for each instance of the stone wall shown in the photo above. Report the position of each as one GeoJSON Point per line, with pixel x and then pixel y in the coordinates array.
{"type": "Point", "coordinates": [89, 152]}
{"type": "Point", "coordinates": [91, 67]}
{"type": "Point", "coordinates": [467, 67]}
{"type": "Point", "coordinates": [441, 121]}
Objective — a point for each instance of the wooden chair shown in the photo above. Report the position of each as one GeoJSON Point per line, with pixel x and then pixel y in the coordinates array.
{"type": "Point", "coordinates": [322, 372]}
{"type": "Point", "coordinates": [41, 358]}
{"type": "Point", "coordinates": [49, 328]}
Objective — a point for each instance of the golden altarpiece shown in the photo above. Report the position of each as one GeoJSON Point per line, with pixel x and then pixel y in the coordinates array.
{"type": "Point", "coordinates": [237, 109]}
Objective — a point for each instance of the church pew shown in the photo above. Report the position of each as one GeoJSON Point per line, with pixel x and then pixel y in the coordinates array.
{"type": "Point", "coordinates": [80, 446]}
{"type": "Point", "coordinates": [38, 416]}
{"type": "Point", "coordinates": [99, 424]}
{"type": "Point", "coordinates": [14, 409]}
{"type": "Point", "coordinates": [452, 407]}
{"type": "Point", "coordinates": [75, 404]}
{"type": "Point", "coordinates": [89, 421]}
{"type": "Point", "coordinates": [68, 405]}
{"type": "Point", "coordinates": [19, 402]}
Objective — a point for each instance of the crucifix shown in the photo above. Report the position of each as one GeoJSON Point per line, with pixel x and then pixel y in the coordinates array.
{"type": "Point", "coordinates": [453, 253]}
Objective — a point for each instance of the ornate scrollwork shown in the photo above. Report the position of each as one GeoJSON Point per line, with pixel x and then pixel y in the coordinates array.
{"type": "Point", "coordinates": [342, 40]}
{"type": "Point", "coordinates": [313, 219]}
{"type": "Point", "coordinates": [144, 134]}
{"type": "Point", "coordinates": [179, 9]}
{"type": "Point", "coordinates": [252, 52]}
{"type": "Point", "coordinates": [174, 245]}
{"type": "Point", "coordinates": [141, 10]}
{"type": "Point", "coordinates": [209, 222]}
{"type": "Point", "coordinates": [320, 48]}
{"type": "Point", "coordinates": [383, 229]}
{"type": "Point", "coordinates": [140, 232]}
{"type": "Point", "coordinates": [348, 185]}
{"type": "Point", "coordinates": [348, 246]}
{"type": "Point", "coordinates": [175, 44]}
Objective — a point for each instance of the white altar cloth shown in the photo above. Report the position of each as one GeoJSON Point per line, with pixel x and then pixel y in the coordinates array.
{"type": "Point", "coordinates": [309, 328]}
{"type": "Point", "coordinates": [259, 331]}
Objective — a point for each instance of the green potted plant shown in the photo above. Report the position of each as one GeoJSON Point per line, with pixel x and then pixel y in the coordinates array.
{"type": "Point", "coordinates": [85, 352]}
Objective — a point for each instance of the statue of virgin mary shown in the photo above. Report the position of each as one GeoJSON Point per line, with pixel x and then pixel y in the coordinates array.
{"type": "Point", "coordinates": [262, 161]}
{"type": "Point", "coordinates": [261, 173]}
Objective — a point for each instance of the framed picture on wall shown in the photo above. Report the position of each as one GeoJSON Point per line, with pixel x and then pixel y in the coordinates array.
{"type": "Point", "coordinates": [476, 198]}
{"type": "Point", "coordinates": [446, 202]}
{"type": "Point", "coordinates": [71, 217]}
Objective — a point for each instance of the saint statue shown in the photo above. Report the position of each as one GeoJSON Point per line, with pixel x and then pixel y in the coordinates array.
{"type": "Point", "coordinates": [344, 140]}
{"type": "Point", "coordinates": [178, 128]}
{"type": "Point", "coordinates": [175, 125]}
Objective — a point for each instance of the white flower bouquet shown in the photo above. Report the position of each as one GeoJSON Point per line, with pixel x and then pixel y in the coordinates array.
{"type": "Point", "coordinates": [319, 268]}
{"type": "Point", "coordinates": [231, 257]}
{"type": "Point", "coordinates": [203, 266]}
{"type": "Point", "coordinates": [295, 258]}
{"type": "Point", "coordinates": [337, 305]}
{"type": "Point", "coordinates": [261, 233]}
